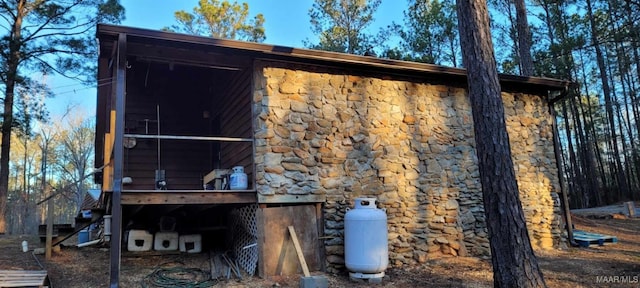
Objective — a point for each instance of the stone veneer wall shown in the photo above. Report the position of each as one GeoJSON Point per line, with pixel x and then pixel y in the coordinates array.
{"type": "Point", "coordinates": [410, 144]}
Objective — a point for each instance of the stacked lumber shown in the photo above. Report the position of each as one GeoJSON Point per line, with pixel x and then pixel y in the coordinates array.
{"type": "Point", "coordinates": [23, 278]}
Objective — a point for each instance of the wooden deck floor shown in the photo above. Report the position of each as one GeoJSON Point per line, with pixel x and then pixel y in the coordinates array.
{"type": "Point", "coordinates": [151, 197]}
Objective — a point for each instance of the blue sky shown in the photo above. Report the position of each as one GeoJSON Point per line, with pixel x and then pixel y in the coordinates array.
{"type": "Point", "coordinates": [286, 21]}
{"type": "Point", "coordinates": [286, 24]}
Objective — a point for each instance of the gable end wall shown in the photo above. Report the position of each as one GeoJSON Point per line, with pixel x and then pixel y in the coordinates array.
{"type": "Point", "coordinates": [409, 144]}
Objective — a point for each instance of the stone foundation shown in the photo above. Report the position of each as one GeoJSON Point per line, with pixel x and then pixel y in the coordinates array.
{"type": "Point", "coordinates": [409, 144]}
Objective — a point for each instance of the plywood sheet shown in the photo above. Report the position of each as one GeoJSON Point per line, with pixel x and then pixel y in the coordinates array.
{"type": "Point", "coordinates": [277, 252]}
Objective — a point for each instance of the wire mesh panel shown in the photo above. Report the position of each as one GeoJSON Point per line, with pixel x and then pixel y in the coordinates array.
{"type": "Point", "coordinates": [245, 237]}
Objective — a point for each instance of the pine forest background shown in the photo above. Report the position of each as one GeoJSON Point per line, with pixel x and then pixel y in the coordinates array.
{"type": "Point", "coordinates": [593, 43]}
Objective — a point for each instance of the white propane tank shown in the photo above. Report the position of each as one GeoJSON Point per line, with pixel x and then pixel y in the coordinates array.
{"type": "Point", "coordinates": [365, 239]}
{"type": "Point", "coordinates": [238, 179]}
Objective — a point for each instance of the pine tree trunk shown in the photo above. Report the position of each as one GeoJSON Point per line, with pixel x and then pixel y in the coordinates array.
{"type": "Point", "coordinates": [606, 90]}
{"type": "Point", "coordinates": [633, 30]}
{"type": "Point", "coordinates": [622, 125]}
{"type": "Point", "coordinates": [583, 146]}
{"type": "Point", "coordinates": [634, 105]}
{"type": "Point", "coordinates": [633, 167]}
{"type": "Point", "coordinates": [514, 263]}
{"type": "Point", "coordinates": [579, 160]}
{"type": "Point", "coordinates": [7, 117]}
{"type": "Point", "coordinates": [592, 133]}
{"type": "Point", "coordinates": [524, 39]}
{"type": "Point", "coordinates": [576, 177]}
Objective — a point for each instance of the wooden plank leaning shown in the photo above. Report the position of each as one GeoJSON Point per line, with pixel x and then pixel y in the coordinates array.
{"type": "Point", "coordinates": [296, 244]}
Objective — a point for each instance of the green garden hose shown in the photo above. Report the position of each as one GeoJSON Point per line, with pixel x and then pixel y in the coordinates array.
{"type": "Point", "coordinates": [178, 277]}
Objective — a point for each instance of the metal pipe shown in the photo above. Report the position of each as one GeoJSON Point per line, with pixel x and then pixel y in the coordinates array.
{"type": "Point", "coordinates": [176, 137]}
{"type": "Point", "coordinates": [107, 226]}
{"type": "Point", "coordinates": [150, 59]}
{"type": "Point", "coordinates": [89, 243]}
{"type": "Point", "coordinates": [158, 132]}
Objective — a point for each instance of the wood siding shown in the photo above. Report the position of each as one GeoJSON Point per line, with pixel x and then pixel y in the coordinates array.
{"type": "Point", "coordinates": [235, 121]}
{"type": "Point", "coordinates": [189, 101]}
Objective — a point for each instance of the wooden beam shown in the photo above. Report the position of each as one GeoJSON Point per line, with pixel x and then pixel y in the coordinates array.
{"type": "Point", "coordinates": [290, 198]}
{"type": "Point", "coordinates": [194, 57]}
{"type": "Point", "coordinates": [118, 158]}
{"type": "Point", "coordinates": [563, 189]}
{"type": "Point", "coordinates": [200, 197]}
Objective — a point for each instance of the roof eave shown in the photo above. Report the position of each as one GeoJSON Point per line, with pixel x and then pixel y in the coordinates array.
{"type": "Point", "coordinates": [267, 51]}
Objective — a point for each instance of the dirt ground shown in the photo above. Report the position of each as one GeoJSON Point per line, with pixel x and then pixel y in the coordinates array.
{"type": "Point", "coordinates": [86, 267]}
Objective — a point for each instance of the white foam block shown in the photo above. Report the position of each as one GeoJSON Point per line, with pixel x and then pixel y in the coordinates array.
{"type": "Point", "coordinates": [139, 240]}
{"type": "Point", "coordinates": [165, 241]}
{"type": "Point", "coordinates": [191, 243]}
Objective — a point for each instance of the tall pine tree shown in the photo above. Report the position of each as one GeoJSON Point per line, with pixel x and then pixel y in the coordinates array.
{"type": "Point", "coordinates": [52, 36]}
{"type": "Point", "coordinates": [340, 25]}
{"type": "Point", "coordinates": [514, 264]}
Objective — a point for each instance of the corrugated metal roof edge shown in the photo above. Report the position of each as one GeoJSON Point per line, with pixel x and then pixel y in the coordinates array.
{"type": "Point", "coordinates": [278, 51]}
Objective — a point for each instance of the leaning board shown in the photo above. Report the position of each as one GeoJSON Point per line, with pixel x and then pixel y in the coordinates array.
{"type": "Point", "coordinates": [277, 251]}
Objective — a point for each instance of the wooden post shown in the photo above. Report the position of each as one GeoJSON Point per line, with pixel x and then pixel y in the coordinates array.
{"type": "Point", "coordinates": [564, 204]}
{"type": "Point", "coordinates": [118, 98]}
{"type": "Point", "coordinates": [47, 191]}
{"type": "Point", "coordinates": [47, 251]}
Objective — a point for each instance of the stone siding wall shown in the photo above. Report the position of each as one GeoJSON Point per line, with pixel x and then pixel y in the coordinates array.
{"type": "Point", "coordinates": [409, 144]}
